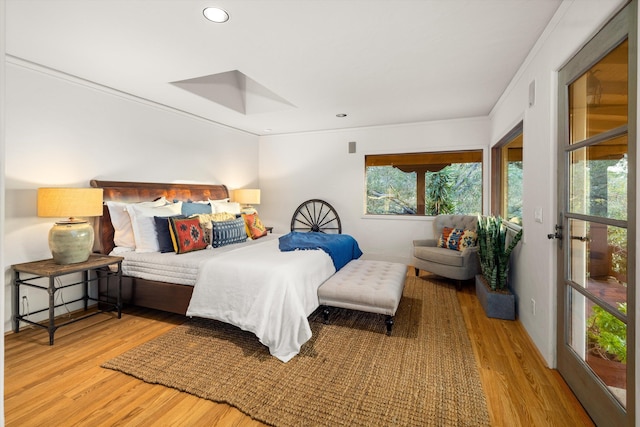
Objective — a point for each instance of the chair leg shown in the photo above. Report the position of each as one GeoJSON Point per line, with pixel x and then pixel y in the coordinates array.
{"type": "Point", "coordinates": [417, 271]}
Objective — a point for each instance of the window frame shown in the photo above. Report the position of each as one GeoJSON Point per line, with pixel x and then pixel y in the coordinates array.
{"type": "Point", "coordinates": [498, 170]}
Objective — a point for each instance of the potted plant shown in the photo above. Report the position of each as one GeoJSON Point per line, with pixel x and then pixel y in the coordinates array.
{"type": "Point", "coordinates": [494, 250]}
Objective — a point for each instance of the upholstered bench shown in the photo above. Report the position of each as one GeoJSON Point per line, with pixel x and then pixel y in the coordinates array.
{"type": "Point", "coordinates": [365, 285]}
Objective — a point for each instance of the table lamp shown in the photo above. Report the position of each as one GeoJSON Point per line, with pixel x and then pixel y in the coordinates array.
{"type": "Point", "coordinates": [71, 240]}
{"type": "Point", "coordinates": [247, 197]}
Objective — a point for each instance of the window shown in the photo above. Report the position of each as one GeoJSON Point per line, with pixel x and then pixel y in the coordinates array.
{"type": "Point", "coordinates": [424, 183]}
{"type": "Point", "coordinates": [507, 176]}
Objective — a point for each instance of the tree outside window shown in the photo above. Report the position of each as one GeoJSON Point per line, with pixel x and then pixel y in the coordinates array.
{"type": "Point", "coordinates": [424, 183]}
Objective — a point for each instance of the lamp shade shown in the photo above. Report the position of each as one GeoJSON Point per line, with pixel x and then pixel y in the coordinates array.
{"type": "Point", "coordinates": [247, 196]}
{"type": "Point", "coordinates": [69, 202]}
{"type": "Point", "coordinates": [70, 241]}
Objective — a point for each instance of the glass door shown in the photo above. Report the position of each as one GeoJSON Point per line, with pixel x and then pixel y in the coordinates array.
{"type": "Point", "coordinates": [596, 271]}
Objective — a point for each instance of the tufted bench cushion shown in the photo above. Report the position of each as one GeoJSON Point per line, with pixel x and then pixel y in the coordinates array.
{"type": "Point", "coordinates": [365, 285]}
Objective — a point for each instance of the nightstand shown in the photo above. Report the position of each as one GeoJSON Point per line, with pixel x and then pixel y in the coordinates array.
{"type": "Point", "coordinates": [49, 269]}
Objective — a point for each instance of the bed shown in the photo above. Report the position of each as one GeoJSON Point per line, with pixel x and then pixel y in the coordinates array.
{"type": "Point", "coordinates": [158, 295]}
{"type": "Point", "coordinates": [253, 285]}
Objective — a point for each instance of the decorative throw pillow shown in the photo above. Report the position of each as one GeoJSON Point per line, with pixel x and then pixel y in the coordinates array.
{"type": "Point", "coordinates": [208, 218]}
{"type": "Point", "coordinates": [460, 240]}
{"type": "Point", "coordinates": [164, 233]}
{"type": "Point", "coordinates": [187, 235]}
{"type": "Point", "coordinates": [222, 216]}
{"type": "Point", "coordinates": [228, 232]}
{"type": "Point", "coordinates": [193, 208]}
{"type": "Point", "coordinates": [468, 239]}
{"type": "Point", "coordinates": [442, 240]}
{"type": "Point", "coordinates": [255, 227]}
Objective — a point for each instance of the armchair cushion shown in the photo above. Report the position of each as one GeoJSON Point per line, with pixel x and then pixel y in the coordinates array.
{"type": "Point", "coordinates": [458, 258]}
{"type": "Point", "coordinates": [438, 255]}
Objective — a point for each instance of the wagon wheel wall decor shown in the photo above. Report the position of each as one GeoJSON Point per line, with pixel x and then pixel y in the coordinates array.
{"type": "Point", "coordinates": [318, 216]}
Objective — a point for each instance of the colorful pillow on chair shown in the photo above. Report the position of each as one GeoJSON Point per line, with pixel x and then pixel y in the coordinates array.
{"type": "Point", "coordinates": [187, 235]}
{"type": "Point", "coordinates": [444, 237]}
{"type": "Point", "coordinates": [460, 240]}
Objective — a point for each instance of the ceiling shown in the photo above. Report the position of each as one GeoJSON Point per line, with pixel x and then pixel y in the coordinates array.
{"type": "Point", "coordinates": [284, 66]}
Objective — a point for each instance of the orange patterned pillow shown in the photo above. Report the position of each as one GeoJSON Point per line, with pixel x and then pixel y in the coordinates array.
{"type": "Point", "coordinates": [444, 237]}
{"type": "Point", "coordinates": [255, 228]}
{"type": "Point", "coordinates": [187, 235]}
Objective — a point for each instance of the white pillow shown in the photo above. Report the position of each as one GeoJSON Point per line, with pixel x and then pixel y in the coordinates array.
{"type": "Point", "coordinates": [121, 221]}
{"type": "Point", "coordinates": [222, 207]}
{"type": "Point", "coordinates": [143, 224]}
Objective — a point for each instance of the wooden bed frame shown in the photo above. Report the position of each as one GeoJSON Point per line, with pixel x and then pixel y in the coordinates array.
{"type": "Point", "coordinates": [164, 296]}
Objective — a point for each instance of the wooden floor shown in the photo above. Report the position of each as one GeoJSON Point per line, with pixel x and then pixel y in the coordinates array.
{"type": "Point", "coordinates": [63, 385]}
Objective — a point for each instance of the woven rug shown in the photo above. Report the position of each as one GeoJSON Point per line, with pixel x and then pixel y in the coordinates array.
{"type": "Point", "coordinates": [350, 373]}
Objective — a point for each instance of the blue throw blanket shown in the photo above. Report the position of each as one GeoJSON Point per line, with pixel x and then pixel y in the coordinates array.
{"type": "Point", "coordinates": [342, 248]}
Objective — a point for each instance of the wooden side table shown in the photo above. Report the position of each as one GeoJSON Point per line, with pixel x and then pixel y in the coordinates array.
{"type": "Point", "coordinates": [49, 269]}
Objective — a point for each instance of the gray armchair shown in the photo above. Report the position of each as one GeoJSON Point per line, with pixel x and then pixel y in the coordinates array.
{"type": "Point", "coordinates": [452, 264]}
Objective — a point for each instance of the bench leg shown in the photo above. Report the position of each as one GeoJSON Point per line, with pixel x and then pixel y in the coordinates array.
{"type": "Point", "coordinates": [325, 314]}
{"type": "Point", "coordinates": [389, 323]}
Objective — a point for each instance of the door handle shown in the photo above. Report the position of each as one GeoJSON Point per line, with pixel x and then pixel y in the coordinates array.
{"type": "Point", "coordinates": [557, 234]}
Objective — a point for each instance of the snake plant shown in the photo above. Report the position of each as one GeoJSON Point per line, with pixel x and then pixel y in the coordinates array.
{"type": "Point", "coordinates": [493, 250]}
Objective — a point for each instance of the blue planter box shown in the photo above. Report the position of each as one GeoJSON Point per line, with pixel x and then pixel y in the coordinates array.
{"type": "Point", "coordinates": [497, 305]}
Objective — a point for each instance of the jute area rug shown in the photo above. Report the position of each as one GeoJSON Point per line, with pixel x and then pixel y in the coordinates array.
{"type": "Point", "coordinates": [350, 373]}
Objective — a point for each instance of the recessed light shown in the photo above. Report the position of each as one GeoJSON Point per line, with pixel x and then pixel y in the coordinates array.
{"type": "Point", "coordinates": [215, 14]}
{"type": "Point", "coordinates": [341, 115]}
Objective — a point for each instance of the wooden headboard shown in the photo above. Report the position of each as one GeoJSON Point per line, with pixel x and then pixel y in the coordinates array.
{"type": "Point", "coordinates": [131, 192]}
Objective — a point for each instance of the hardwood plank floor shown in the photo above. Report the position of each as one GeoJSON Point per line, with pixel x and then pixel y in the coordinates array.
{"type": "Point", "coordinates": [63, 385]}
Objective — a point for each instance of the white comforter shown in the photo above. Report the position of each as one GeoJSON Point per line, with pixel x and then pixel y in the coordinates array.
{"type": "Point", "coordinates": [265, 291]}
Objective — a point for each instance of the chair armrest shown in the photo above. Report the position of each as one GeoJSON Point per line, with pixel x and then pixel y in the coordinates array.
{"type": "Point", "coordinates": [425, 242]}
{"type": "Point", "coordinates": [471, 257]}
{"type": "Point", "coordinates": [470, 251]}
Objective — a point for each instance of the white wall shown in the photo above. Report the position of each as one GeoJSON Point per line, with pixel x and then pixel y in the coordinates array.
{"type": "Point", "coordinates": [298, 167]}
{"type": "Point", "coordinates": [61, 131]}
{"type": "Point", "coordinates": [535, 264]}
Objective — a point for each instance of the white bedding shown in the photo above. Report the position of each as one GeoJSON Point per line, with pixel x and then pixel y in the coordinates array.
{"type": "Point", "coordinates": [252, 285]}
{"type": "Point", "coordinates": [171, 267]}
{"type": "Point", "coordinates": [263, 290]}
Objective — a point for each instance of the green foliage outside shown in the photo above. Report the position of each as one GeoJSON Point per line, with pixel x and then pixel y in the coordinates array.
{"type": "Point", "coordinates": [391, 191]}
{"type": "Point", "coordinates": [607, 334]}
{"type": "Point", "coordinates": [599, 188]}
{"type": "Point", "coordinates": [617, 175]}
{"type": "Point", "coordinates": [439, 193]}
{"type": "Point", "coordinates": [456, 189]}
{"type": "Point", "coordinates": [466, 187]}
